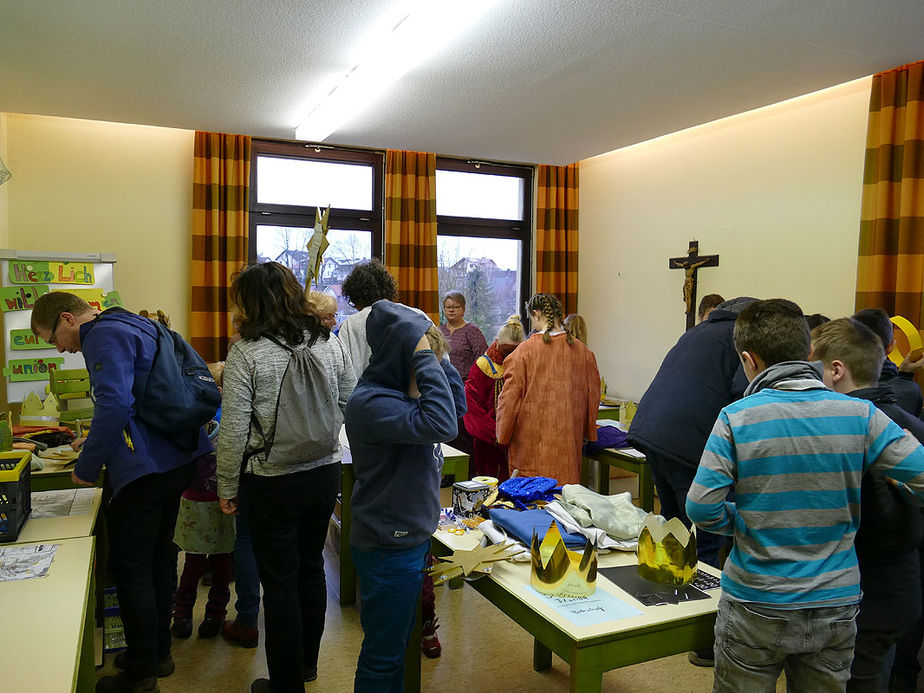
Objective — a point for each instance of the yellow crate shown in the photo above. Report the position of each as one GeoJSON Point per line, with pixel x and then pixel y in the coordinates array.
{"type": "Point", "coordinates": [12, 473]}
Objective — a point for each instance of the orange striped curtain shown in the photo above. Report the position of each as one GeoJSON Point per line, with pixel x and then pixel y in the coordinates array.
{"type": "Point", "coordinates": [557, 234]}
{"type": "Point", "coordinates": [410, 228]}
{"type": "Point", "coordinates": [890, 272]}
{"type": "Point", "coordinates": [221, 177]}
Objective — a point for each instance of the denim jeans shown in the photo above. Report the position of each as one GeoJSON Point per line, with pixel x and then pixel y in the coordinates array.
{"type": "Point", "coordinates": [389, 586]}
{"type": "Point", "coordinates": [246, 574]}
{"type": "Point", "coordinates": [289, 516]}
{"type": "Point", "coordinates": [142, 562]}
{"type": "Point", "coordinates": [754, 644]}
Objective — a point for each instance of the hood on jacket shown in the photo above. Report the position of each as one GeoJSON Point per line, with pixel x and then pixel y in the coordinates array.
{"type": "Point", "coordinates": [797, 375]}
{"type": "Point", "coordinates": [730, 308]}
{"type": "Point", "coordinates": [393, 330]}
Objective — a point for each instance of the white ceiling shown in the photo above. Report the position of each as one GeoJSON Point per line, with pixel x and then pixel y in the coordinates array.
{"type": "Point", "coordinates": [548, 81]}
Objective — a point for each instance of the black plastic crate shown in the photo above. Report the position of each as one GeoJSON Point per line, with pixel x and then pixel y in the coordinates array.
{"type": "Point", "coordinates": [15, 492]}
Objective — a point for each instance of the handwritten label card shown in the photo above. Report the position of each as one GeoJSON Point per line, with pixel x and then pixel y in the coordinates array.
{"type": "Point", "coordinates": [599, 607]}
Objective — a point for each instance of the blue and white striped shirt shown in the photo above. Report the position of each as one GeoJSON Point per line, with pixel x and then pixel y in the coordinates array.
{"type": "Point", "coordinates": [795, 453]}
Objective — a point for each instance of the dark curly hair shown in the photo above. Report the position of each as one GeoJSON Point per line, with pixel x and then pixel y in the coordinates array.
{"type": "Point", "coordinates": [269, 300]}
{"type": "Point", "coordinates": [369, 282]}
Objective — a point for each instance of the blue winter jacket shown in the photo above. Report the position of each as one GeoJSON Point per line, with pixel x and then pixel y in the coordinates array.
{"type": "Point", "coordinates": [119, 353]}
{"type": "Point", "coordinates": [394, 438]}
{"type": "Point", "coordinates": [699, 376]}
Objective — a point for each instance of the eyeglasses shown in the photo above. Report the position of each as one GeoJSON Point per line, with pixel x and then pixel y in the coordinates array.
{"type": "Point", "coordinates": [54, 328]}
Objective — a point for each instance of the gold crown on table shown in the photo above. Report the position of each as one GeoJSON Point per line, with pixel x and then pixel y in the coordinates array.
{"type": "Point", "coordinates": [666, 551]}
{"type": "Point", "coordinates": [34, 413]}
{"type": "Point", "coordinates": [560, 572]}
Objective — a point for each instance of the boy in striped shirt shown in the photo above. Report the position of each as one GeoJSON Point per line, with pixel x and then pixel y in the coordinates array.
{"type": "Point", "coordinates": [795, 453]}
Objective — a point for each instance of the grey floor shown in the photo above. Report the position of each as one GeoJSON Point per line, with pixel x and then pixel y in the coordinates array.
{"type": "Point", "coordinates": [483, 650]}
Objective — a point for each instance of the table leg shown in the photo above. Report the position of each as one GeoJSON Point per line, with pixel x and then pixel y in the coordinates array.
{"type": "Point", "coordinates": [86, 664]}
{"type": "Point", "coordinates": [542, 657]}
{"type": "Point", "coordinates": [347, 569]}
{"type": "Point", "coordinates": [586, 672]}
{"type": "Point", "coordinates": [645, 487]}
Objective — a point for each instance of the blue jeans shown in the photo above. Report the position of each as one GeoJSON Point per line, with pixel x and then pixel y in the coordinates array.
{"type": "Point", "coordinates": [389, 586]}
{"type": "Point", "coordinates": [246, 575]}
{"type": "Point", "coordinates": [754, 644]}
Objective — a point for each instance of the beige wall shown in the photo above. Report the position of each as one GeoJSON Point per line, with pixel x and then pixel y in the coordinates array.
{"type": "Point", "coordinates": [93, 187]}
{"type": "Point", "coordinates": [775, 192]}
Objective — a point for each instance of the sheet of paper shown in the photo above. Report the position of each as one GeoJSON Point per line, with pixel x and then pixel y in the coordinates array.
{"type": "Point", "coordinates": [632, 452]}
{"type": "Point", "coordinates": [25, 562]}
{"type": "Point", "coordinates": [63, 503]}
{"type": "Point", "coordinates": [599, 607]}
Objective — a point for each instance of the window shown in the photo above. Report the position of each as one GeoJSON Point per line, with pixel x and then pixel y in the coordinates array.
{"type": "Point", "coordinates": [483, 242]}
{"type": "Point", "coordinates": [289, 181]}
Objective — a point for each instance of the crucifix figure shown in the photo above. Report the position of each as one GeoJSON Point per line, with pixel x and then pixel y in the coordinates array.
{"type": "Point", "coordinates": [692, 262]}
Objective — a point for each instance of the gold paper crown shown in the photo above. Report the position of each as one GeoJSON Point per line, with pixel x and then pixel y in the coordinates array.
{"type": "Point", "coordinates": [666, 552]}
{"type": "Point", "coordinates": [560, 572]}
{"type": "Point", "coordinates": [34, 413]}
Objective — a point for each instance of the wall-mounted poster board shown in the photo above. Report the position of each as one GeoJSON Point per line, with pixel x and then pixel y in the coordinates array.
{"type": "Point", "coordinates": [26, 275]}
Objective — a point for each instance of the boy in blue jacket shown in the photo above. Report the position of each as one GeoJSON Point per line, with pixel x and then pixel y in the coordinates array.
{"type": "Point", "coordinates": [145, 475]}
{"type": "Point", "coordinates": [405, 404]}
{"type": "Point", "coordinates": [795, 453]}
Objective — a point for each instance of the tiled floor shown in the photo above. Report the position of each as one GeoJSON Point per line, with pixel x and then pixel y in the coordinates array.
{"type": "Point", "coordinates": [483, 650]}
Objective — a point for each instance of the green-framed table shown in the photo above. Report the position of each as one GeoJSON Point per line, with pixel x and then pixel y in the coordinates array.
{"type": "Point", "coordinates": [629, 459]}
{"type": "Point", "coordinates": [659, 631]}
{"type": "Point", "coordinates": [50, 622]}
{"type": "Point", "coordinates": [454, 462]}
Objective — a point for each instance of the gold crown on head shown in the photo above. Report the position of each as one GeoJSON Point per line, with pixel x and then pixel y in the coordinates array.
{"type": "Point", "coordinates": [560, 572]}
{"type": "Point", "coordinates": [666, 551]}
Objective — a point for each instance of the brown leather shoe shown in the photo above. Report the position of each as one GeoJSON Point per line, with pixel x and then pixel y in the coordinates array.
{"type": "Point", "coordinates": [241, 635]}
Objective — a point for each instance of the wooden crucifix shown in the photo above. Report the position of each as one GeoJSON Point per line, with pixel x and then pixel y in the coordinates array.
{"type": "Point", "coordinates": [690, 264]}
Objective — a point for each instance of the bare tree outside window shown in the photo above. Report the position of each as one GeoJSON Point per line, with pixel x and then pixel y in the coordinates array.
{"type": "Point", "coordinates": [485, 272]}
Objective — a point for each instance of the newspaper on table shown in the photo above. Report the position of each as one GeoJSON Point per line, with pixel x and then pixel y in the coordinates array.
{"type": "Point", "coordinates": [25, 562]}
{"type": "Point", "coordinates": [63, 503]}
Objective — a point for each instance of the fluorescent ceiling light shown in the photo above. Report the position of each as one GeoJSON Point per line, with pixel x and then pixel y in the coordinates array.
{"type": "Point", "coordinates": [426, 27]}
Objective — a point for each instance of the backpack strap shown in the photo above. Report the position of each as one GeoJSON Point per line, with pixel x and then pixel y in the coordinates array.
{"type": "Point", "coordinates": [253, 419]}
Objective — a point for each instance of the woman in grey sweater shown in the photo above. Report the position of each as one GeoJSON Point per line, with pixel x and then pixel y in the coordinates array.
{"type": "Point", "coordinates": [290, 502]}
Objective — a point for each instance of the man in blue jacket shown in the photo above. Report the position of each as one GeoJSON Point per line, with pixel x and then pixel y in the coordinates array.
{"type": "Point", "coordinates": [146, 474]}
{"type": "Point", "coordinates": [405, 404]}
{"type": "Point", "coordinates": [699, 376]}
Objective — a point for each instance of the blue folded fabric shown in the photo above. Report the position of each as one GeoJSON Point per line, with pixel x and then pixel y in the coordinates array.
{"type": "Point", "coordinates": [607, 437]}
{"type": "Point", "coordinates": [521, 523]}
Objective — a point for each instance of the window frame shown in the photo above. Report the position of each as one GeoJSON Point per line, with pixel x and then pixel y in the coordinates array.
{"type": "Point", "coordinates": [303, 216]}
{"type": "Point", "coordinates": [477, 227]}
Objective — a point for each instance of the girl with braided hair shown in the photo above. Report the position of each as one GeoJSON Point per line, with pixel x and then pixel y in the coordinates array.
{"type": "Point", "coordinates": [482, 388]}
{"type": "Point", "coordinates": [551, 394]}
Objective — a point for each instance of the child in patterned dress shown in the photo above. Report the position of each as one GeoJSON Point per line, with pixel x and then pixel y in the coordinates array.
{"type": "Point", "coordinates": [207, 536]}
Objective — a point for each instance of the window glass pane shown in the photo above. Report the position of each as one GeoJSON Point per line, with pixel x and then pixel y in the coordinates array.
{"type": "Point", "coordinates": [480, 195]}
{"type": "Point", "coordinates": [487, 272]}
{"type": "Point", "coordinates": [313, 183]}
{"type": "Point", "coordinates": [288, 246]}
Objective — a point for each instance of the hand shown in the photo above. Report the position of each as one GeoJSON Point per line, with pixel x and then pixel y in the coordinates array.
{"type": "Point", "coordinates": [909, 366]}
{"type": "Point", "coordinates": [78, 443]}
{"type": "Point", "coordinates": [78, 481]}
{"type": "Point", "coordinates": [424, 343]}
{"type": "Point", "coordinates": [228, 505]}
